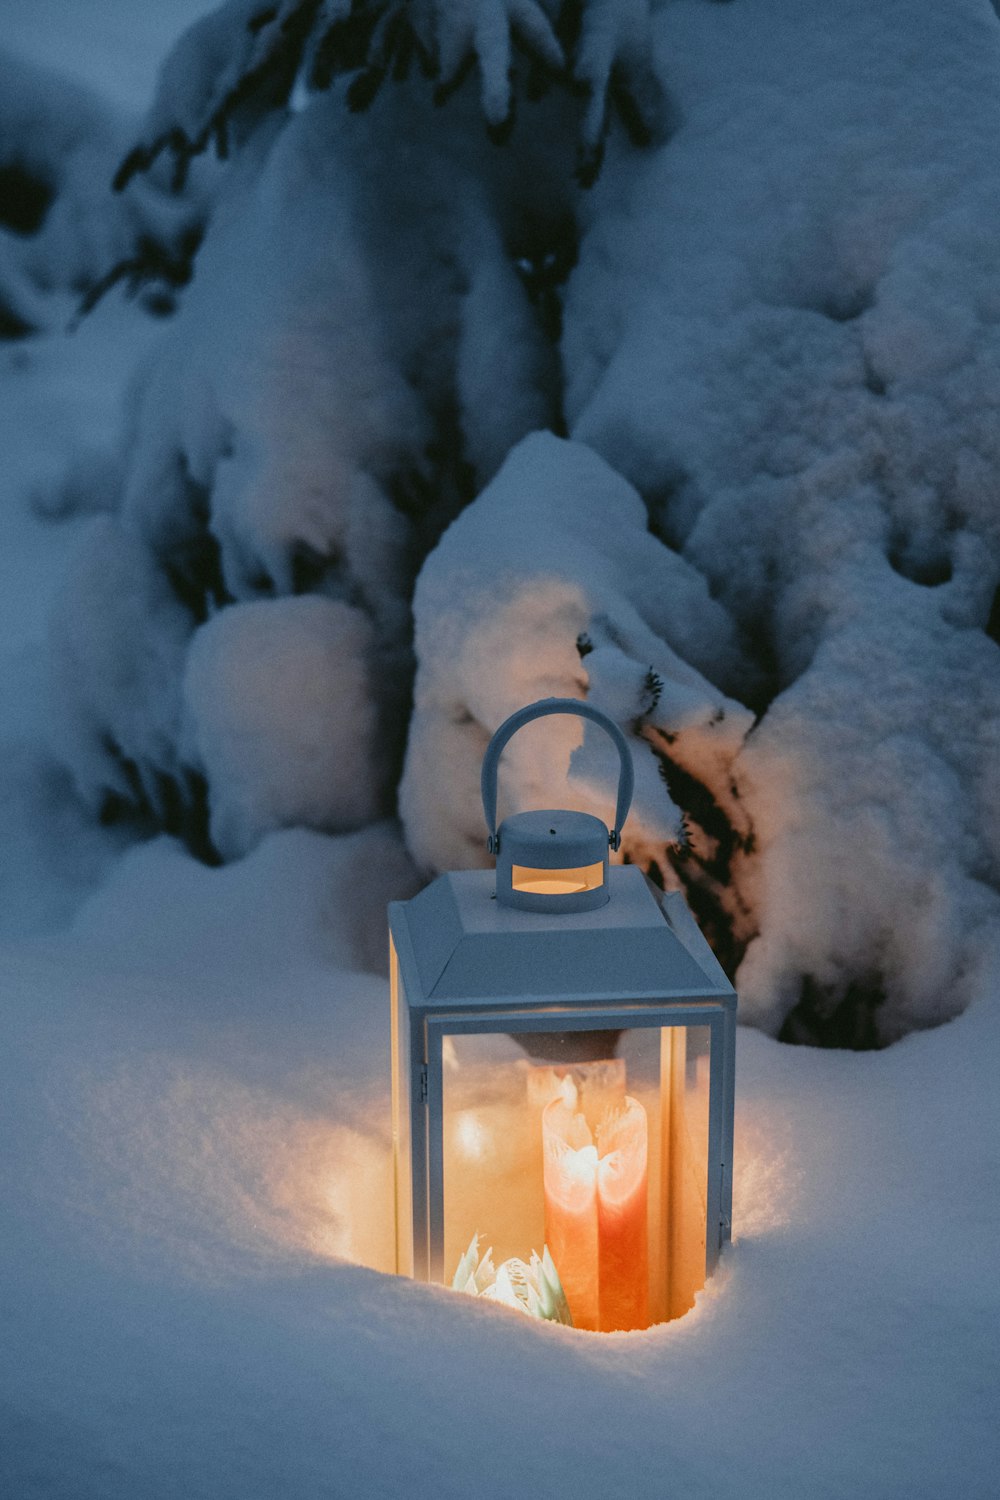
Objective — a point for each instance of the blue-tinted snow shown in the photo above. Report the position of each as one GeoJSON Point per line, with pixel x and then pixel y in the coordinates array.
{"type": "Point", "coordinates": [193, 1076]}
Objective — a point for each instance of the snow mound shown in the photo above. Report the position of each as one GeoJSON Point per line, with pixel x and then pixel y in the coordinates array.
{"type": "Point", "coordinates": [280, 714]}
{"type": "Point", "coordinates": [550, 584]}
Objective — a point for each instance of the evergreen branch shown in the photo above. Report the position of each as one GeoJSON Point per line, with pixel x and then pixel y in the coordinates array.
{"type": "Point", "coordinates": [652, 691]}
{"type": "Point", "coordinates": [500, 131]}
{"type": "Point", "coordinates": [449, 86]}
{"type": "Point", "coordinates": [344, 46]}
{"type": "Point", "coordinates": [152, 261]}
{"type": "Point", "coordinates": [261, 19]}
{"type": "Point", "coordinates": [268, 83]}
{"type": "Point", "coordinates": [381, 39]}
{"type": "Point", "coordinates": [638, 129]}
{"type": "Point", "coordinates": [590, 152]}
{"type": "Point", "coordinates": [142, 156]}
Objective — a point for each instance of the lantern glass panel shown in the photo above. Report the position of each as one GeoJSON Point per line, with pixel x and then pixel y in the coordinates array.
{"type": "Point", "coordinates": [592, 1142]}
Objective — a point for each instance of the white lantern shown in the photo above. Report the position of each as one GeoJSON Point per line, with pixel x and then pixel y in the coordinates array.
{"type": "Point", "coordinates": [562, 1066]}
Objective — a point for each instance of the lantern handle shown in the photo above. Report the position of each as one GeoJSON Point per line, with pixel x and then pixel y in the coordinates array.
{"type": "Point", "coordinates": [540, 710]}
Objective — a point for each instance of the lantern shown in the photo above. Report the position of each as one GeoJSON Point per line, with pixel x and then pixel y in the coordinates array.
{"type": "Point", "coordinates": [562, 1069]}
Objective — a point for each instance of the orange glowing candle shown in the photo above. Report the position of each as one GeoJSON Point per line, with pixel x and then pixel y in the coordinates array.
{"type": "Point", "coordinates": [571, 1234]}
{"type": "Point", "coordinates": [622, 1233]}
{"type": "Point", "coordinates": [595, 1211]}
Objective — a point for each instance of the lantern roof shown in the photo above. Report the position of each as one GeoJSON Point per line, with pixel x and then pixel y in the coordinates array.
{"type": "Point", "coordinates": [458, 945]}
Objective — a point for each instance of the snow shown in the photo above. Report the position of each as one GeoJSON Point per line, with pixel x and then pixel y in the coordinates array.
{"type": "Point", "coordinates": [280, 417]}
{"type": "Point", "coordinates": [67, 141]}
{"type": "Point", "coordinates": [282, 717]}
{"type": "Point", "coordinates": [111, 45]}
{"type": "Point", "coordinates": [272, 426]}
{"type": "Point", "coordinates": [783, 329]}
{"type": "Point", "coordinates": [263, 440]}
{"type": "Point", "coordinates": [114, 663]}
{"type": "Point", "coordinates": [197, 1139]}
{"type": "Point", "coordinates": [555, 550]}
{"type": "Point", "coordinates": [194, 1080]}
{"type": "Point", "coordinates": [487, 30]}
{"type": "Point", "coordinates": [61, 405]}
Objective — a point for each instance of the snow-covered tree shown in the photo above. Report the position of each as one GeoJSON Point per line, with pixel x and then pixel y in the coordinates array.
{"type": "Point", "coordinates": [62, 228]}
{"type": "Point", "coordinates": [653, 354]}
{"type": "Point", "coordinates": [371, 327]}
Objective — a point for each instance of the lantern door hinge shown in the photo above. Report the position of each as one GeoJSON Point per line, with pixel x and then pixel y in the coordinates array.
{"type": "Point", "coordinates": [423, 1083]}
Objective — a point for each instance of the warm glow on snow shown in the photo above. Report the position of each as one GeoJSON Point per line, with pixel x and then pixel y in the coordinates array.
{"type": "Point", "coordinates": [249, 1176]}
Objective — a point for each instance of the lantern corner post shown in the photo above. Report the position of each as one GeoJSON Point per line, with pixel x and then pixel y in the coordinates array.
{"type": "Point", "coordinates": [411, 1141]}
{"type": "Point", "coordinates": [432, 1112]}
{"type": "Point", "coordinates": [720, 1132]}
{"type": "Point", "coordinates": [730, 1005]}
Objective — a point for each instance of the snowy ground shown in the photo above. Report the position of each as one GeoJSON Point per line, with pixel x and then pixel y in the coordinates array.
{"type": "Point", "coordinates": [195, 1177]}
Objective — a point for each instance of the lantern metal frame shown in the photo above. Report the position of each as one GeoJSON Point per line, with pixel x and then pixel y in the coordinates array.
{"type": "Point", "coordinates": [467, 962]}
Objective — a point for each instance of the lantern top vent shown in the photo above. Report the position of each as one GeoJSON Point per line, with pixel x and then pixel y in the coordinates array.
{"type": "Point", "coordinates": [553, 860]}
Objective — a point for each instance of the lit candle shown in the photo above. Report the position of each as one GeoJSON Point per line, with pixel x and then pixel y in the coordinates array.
{"type": "Point", "coordinates": [623, 1244]}
{"type": "Point", "coordinates": [571, 1214]}
{"type": "Point", "coordinates": [596, 1210]}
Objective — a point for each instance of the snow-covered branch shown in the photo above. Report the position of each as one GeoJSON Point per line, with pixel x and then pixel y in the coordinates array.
{"type": "Point", "coordinates": [243, 61]}
{"type": "Point", "coordinates": [550, 584]}
{"type": "Point", "coordinates": [61, 227]}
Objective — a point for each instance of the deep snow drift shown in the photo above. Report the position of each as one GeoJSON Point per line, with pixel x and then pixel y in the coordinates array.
{"type": "Point", "coordinates": [195, 1107]}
